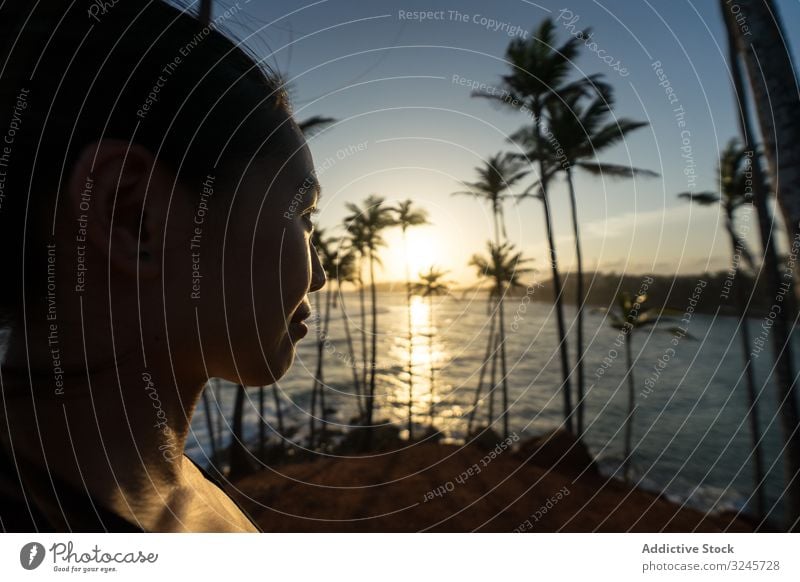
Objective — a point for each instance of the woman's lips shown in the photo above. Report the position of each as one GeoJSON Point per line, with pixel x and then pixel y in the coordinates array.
{"type": "Point", "coordinates": [298, 329]}
{"type": "Point", "coordinates": [297, 326]}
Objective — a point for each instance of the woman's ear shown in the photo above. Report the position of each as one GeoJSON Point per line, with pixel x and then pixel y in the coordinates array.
{"type": "Point", "coordinates": [119, 198]}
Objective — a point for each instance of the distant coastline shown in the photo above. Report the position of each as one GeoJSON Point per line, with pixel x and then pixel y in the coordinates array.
{"type": "Point", "coordinates": [667, 293]}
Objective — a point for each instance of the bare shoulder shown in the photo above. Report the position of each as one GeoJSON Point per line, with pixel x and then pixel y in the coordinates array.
{"type": "Point", "coordinates": [206, 508]}
{"type": "Point", "coordinates": [191, 504]}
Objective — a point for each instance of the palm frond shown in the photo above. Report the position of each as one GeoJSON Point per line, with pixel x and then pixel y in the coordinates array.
{"type": "Point", "coordinates": [616, 170]}
{"type": "Point", "coordinates": [702, 198]}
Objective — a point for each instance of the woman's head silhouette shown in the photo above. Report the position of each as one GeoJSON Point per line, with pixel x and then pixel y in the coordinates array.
{"type": "Point", "coordinates": [155, 226]}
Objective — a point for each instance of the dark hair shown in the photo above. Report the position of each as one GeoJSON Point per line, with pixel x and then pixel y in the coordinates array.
{"type": "Point", "coordinates": [74, 72]}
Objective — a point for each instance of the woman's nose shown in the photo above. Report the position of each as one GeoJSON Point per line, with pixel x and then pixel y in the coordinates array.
{"type": "Point", "coordinates": [318, 277]}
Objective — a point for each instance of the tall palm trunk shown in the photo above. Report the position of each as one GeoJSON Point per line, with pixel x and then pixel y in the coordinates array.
{"type": "Point", "coordinates": [503, 370]}
{"type": "Point", "coordinates": [782, 348]}
{"type": "Point", "coordinates": [262, 426]}
{"type": "Point", "coordinates": [374, 353]}
{"type": "Point", "coordinates": [752, 393]}
{"type": "Point", "coordinates": [559, 304]}
{"type": "Point", "coordinates": [312, 417]}
{"type": "Point", "coordinates": [410, 342]}
{"type": "Point", "coordinates": [498, 340]}
{"type": "Point", "coordinates": [496, 212]}
{"type": "Point", "coordinates": [362, 301]}
{"type": "Point", "coordinates": [578, 303]}
{"type": "Point", "coordinates": [493, 378]}
{"type": "Point", "coordinates": [352, 352]}
{"type": "Point", "coordinates": [325, 337]}
{"type": "Point", "coordinates": [238, 448]}
{"type": "Point", "coordinates": [430, 352]}
{"type": "Point", "coordinates": [479, 389]}
{"type": "Point", "coordinates": [775, 92]}
{"type": "Point", "coordinates": [205, 12]}
{"type": "Point", "coordinates": [278, 414]}
{"type": "Point", "coordinates": [631, 408]}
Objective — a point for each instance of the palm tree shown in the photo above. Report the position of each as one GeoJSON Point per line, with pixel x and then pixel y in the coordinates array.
{"type": "Point", "coordinates": [628, 317]}
{"type": "Point", "coordinates": [773, 81]}
{"type": "Point", "coordinates": [582, 129]}
{"type": "Point", "coordinates": [781, 345]}
{"type": "Point", "coordinates": [204, 15]}
{"type": "Point", "coordinates": [346, 260]}
{"type": "Point", "coordinates": [262, 426]}
{"type": "Point", "coordinates": [371, 220]}
{"type": "Point", "coordinates": [238, 454]}
{"type": "Point", "coordinates": [538, 77]}
{"type": "Point", "coordinates": [358, 242]}
{"type": "Point", "coordinates": [431, 285]}
{"type": "Point", "coordinates": [495, 178]}
{"type": "Point", "coordinates": [407, 216]}
{"type": "Point", "coordinates": [328, 260]}
{"type": "Point", "coordinates": [278, 414]}
{"type": "Point", "coordinates": [491, 348]}
{"type": "Point", "coordinates": [733, 194]}
{"type": "Point", "coordinates": [502, 268]}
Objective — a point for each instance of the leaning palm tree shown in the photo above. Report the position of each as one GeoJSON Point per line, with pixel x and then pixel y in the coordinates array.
{"type": "Point", "coordinates": [430, 285]}
{"type": "Point", "coordinates": [371, 220]}
{"type": "Point", "coordinates": [773, 81]}
{"type": "Point", "coordinates": [538, 77]}
{"type": "Point", "coordinates": [502, 268]}
{"type": "Point", "coordinates": [628, 317]}
{"type": "Point", "coordinates": [407, 216]}
{"type": "Point", "coordinates": [739, 46]}
{"type": "Point", "coordinates": [734, 193]}
{"type": "Point", "coordinates": [495, 179]}
{"type": "Point", "coordinates": [581, 129]}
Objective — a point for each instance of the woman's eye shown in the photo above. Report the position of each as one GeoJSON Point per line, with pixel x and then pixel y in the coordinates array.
{"type": "Point", "coordinates": [307, 217]}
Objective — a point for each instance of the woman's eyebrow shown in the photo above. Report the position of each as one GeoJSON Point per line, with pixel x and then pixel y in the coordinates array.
{"type": "Point", "coordinates": [311, 188]}
{"type": "Point", "coordinates": [317, 187]}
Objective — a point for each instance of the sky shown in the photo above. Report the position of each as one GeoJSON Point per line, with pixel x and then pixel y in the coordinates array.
{"type": "Point", "coordinates": [407, 126]}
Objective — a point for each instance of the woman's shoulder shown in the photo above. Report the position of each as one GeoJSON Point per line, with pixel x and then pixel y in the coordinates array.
{"type": "Point", "coordinates": [35, 500]}
{"type": "Point", "coordinates": [214, 509]}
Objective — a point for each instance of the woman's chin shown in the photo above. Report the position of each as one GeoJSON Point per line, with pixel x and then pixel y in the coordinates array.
{"type": "Point", "coordinates": [271, 371]}
{"type": "Point", "coordinates": [251, 369]}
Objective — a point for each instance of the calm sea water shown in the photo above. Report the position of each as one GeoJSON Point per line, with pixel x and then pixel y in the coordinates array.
{"type": "Point", "coordinates": [691, 432]}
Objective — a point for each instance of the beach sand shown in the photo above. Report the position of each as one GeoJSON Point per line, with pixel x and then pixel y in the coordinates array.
{"type": "Point", "coordinates": [429, 487]}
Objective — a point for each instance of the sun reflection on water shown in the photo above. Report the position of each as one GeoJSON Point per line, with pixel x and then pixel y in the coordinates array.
{"type": "Point", "coordinates": [427, 356]}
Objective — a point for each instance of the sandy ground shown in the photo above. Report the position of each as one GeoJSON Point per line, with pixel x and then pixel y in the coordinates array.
{"type": "Point", "coordinates": [542, 485]}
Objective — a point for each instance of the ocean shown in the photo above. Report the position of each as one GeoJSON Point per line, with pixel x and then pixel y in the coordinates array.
{"type": "Point", "coordinates": [690, 430]}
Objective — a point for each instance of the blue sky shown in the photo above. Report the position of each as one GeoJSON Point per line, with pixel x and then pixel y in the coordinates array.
{"type": "Point", "coordinates": [407, 130]}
